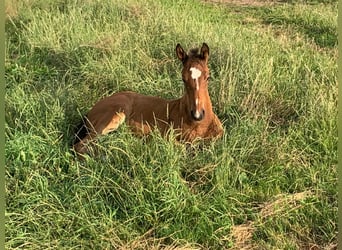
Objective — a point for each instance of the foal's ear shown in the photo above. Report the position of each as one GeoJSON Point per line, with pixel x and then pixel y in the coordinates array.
{"type": "Point", "coordinates": [181, 54]}
{"type": "Point", "coordinates": [205, 52]}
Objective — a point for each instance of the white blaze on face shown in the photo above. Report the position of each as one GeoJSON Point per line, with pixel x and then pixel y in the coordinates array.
{"type": "Point", "coordinates": [195, 74]}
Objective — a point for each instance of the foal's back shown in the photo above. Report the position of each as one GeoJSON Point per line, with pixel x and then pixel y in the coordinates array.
{"type": "Point", "coordinates": [140, 112]}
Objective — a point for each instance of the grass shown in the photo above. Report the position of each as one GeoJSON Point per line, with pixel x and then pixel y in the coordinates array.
{"type": "Point", "coordinates": [269, 183]}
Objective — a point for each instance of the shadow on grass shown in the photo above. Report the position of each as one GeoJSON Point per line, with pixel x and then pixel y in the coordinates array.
{"type": "Point", "coordinates": [323, 35]}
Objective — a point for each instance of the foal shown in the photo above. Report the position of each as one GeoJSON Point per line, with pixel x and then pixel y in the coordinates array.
{"type": "Point", "coordinates": [191, 115]}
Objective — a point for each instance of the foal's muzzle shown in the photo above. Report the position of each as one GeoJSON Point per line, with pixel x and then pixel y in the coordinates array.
{"type": "Point", "coordinates": [197, 115]}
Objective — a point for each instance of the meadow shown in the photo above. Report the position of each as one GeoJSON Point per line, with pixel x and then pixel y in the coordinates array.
{"type": "Point", "coordinates": [269, 183]}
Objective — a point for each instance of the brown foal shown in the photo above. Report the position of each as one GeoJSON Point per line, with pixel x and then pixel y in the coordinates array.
{"type": "Point", "coordinates": [191, 115]}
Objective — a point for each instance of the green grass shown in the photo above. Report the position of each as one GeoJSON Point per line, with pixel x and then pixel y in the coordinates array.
{"type": "Point", "coordinates": [274, 87]}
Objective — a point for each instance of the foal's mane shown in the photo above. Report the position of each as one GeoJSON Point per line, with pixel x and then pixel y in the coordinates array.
{"type": "Point", "coordinates": [195, 53]}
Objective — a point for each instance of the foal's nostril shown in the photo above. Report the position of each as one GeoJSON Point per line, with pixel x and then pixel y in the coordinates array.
{"type": "Point", "coordinates": [197, 116]}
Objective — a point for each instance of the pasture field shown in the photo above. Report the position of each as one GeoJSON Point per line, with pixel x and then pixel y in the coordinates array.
{"type": "Point", "coordinates": [269, 183]}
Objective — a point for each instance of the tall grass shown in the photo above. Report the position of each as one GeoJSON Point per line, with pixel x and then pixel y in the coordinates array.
{"type": "Point", "coordinates": [271, 178]}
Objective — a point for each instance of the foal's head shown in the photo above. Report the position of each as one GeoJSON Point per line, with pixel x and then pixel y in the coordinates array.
{"type": "Point", "coordinates": [195, 76]}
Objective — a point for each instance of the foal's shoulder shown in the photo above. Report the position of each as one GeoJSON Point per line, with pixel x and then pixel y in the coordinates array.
{"type": "Point", "coordinates": [215, 128]}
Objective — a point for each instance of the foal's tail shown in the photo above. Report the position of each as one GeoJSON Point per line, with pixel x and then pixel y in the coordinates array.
{"type": "Point", "coordinates": [81, 131]}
